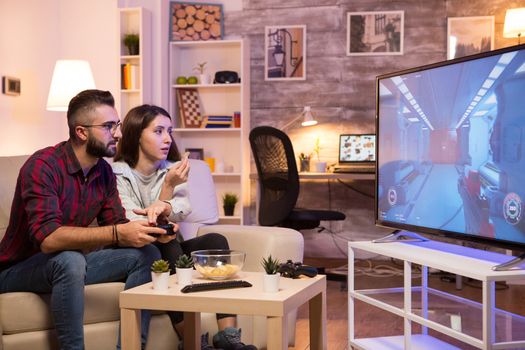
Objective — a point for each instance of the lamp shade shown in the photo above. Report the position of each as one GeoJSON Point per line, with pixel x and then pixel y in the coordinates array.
{"type": "Point", "coordinates": [69, 78]}
{"type": "Point", "coordinates": [309, 119]}
{"type": "Point", "coordinates": [514, 23]}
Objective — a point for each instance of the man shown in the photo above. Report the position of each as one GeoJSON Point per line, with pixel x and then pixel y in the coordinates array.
{"type": "Point", "coordinates": [48, 247]}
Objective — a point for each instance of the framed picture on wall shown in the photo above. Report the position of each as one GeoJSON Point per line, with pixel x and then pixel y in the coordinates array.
{"type": "Point", "coordinates": [195, 153]}
{"type": "Point", "coordinates": [469, 35]}
{"type": "Point", "coordinates": [285, 52]}
{"type": "Point", "coordinates": [374, 33]}
{"type": "Point", "coordinates": [11, 86]}
{"type": "Point", "coordinates": [195, 21]}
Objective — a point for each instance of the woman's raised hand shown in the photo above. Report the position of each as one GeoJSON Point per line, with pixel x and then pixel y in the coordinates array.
{"type": "Point", "coordinates": [178, 173]}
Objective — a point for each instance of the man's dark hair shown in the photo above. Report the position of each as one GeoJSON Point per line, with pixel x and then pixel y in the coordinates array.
{"type": "Point", "coordinates": [136, 120]}
{"type": "Point", "coordinates": [83, 102]}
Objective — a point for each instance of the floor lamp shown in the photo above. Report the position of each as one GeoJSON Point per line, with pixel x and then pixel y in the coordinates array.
{"type": "Point", "coordinates": [69, 78]}
{"type": "Point", "coordinates": [514, 23]}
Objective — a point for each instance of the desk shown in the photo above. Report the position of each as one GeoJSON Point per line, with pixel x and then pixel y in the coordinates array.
{"type": "Point", "coordinates": [307, 176]}
{"type": "Point", "coordinates": [335, 176]}
{"type": "Point", "coordinates": [329, 176]}
{"type": "Point", "coordinates": [240, 301]}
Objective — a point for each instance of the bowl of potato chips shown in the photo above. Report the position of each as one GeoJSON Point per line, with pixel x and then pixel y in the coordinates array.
{"type": "Point", "coordinates": [218, 264]}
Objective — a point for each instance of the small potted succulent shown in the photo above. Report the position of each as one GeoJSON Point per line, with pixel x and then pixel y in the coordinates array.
{"type": "Point", "coordinates": [200, 68]}
{"type": "Point", "coordinates": [272, 277]}
{"type": "Point", "coordinates": [184, 270]}
{"type": "Point", "coordinates": [131, 41]}
{"type": "Point", "coordinates": [228, 203]}
{"type": "Point", "coordinates": [160, 273]}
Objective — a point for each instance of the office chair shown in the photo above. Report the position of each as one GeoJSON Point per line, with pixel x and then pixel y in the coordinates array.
{"type": "Point", "coordinates": [279, 183]}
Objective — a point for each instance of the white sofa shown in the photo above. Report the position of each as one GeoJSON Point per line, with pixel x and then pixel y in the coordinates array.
{"type": "Point", "coordinates": [25, 320]}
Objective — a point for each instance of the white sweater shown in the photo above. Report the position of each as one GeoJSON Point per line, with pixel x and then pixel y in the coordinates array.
{"type": "Point", "coordinates": [128, 189]}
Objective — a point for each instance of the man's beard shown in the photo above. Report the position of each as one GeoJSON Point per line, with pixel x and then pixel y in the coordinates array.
{"type": "Point", "coordinates": [97, 149]}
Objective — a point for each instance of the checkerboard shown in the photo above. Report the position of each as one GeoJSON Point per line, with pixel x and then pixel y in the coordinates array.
{"type": "Point", "coordinates": [189, 108]}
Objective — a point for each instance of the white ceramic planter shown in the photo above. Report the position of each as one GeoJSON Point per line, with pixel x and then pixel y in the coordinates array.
{"type": "Point", "coordinates": [183, 276]}
{"type": "Point", "coordinates": [271, 283]}
{"type": "Point", "coordinates": [160, 280]}
{"type": "Point", "coordinates": [204, 79]}
{"type": "Point", "coordinates": [320, 167]}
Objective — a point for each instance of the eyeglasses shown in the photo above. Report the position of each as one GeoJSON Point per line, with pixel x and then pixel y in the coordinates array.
{"type": "Point", "coordinates": [109, 126]}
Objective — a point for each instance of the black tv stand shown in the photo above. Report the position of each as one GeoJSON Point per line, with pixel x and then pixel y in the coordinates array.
{"type": "Point", "coordinates": [400, 236]}
{"type": "Point", "coordinates": [511, 264]}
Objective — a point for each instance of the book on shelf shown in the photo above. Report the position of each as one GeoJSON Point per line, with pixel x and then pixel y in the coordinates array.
{"type": "Point", "coordinates": [214, 121]}
{"type": "Point", "coordinates": [129, 76]}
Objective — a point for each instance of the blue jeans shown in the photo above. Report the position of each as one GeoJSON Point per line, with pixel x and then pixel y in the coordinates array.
{"type": "Point", "coordinates": [64, 275]}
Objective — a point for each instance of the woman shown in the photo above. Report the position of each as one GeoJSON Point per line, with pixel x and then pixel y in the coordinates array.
{"type": "Point", "coordinates": [152, 181]}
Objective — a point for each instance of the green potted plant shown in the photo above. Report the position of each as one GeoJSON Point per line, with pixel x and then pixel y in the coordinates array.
{"type": "Point", "coordinates": [131, 41]}
{"type": "Point", "coordinates": [200, 68]}
{"type": "Point", "coordinates": [272, 277]}
{"type": "Point", "coordinates": [184, 270]}
{"type": "Point", "coordinates": [160, 272]}
{"type": "Point", "coordinates": [320, 167]}
{"type": "Point", "coordinates": [228, 203]}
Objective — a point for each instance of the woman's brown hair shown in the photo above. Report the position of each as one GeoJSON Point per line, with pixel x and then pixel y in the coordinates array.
{"type": "Point", "coordinates": [136, 120]}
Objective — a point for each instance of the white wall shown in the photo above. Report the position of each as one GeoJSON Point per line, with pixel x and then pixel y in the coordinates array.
{"type": "Point", "coordinates": [33, 35]}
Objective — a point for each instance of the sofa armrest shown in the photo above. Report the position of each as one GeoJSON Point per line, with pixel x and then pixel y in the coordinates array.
{"type": "Point", "coordinates": [259, 242]}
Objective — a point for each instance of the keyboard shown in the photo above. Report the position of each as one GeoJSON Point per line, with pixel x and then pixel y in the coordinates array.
{"type": "Point", "coordinates": [355, 169]}
{"type": "Point", "coordinates": [202, 287]}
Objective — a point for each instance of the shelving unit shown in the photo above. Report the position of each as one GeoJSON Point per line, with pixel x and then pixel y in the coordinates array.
{"type": "Point", "coordinates": [229, 146]}
{"type": "Point", "coordinates": [135, 20]}
{"type": "Point", "coordinates": [485, 327]}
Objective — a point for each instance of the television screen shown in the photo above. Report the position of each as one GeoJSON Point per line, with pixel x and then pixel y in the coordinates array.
{"type": "Point", "coordinates": [451, 148]}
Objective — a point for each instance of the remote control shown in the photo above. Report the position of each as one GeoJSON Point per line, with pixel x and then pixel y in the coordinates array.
{"type": "Point", "coordinates": [201, 287]}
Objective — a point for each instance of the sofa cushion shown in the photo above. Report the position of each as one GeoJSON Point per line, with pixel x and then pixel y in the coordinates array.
{"type": "Point", "coordinates": [202, 197]}
{"type": "Point", "coordinates": [32, 310]}
{"type": "Point", "coordinates": [10, 167]}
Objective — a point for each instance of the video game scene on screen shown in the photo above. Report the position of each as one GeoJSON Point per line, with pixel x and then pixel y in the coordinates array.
{"type": "Point", "coordinates": [451, 147]}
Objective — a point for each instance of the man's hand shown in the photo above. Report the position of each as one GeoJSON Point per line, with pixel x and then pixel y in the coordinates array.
{"type": "Point", "coordinates": [137, 234]}
{"type": "Point", "coordinates": [166, 238]}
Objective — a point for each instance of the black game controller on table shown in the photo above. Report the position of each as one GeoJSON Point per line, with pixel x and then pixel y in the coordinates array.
{"type": "Point", "coordinates": [167, 227]}
{"type": "Point", "coordinates": [294, 270]}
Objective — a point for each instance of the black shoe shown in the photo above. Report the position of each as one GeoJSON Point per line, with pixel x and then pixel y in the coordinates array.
{"type": "Point", "coordinates": [230, 339]}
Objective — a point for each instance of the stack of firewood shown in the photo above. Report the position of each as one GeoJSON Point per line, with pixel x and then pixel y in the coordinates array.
{"type": "Point", "coordinates": [196, 22]}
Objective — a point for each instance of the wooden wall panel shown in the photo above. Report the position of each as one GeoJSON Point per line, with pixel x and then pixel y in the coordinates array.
{"type": "Point", "coordinates": [340, 88]}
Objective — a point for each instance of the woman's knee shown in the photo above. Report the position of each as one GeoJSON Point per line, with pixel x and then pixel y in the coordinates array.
{"type": "Point", "coordinates": [215, 241]}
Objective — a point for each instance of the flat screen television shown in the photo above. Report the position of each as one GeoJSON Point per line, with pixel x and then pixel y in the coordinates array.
{"type": "Point", "coordinates": [451, 148]}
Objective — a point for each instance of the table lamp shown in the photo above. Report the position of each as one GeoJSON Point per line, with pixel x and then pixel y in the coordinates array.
{"type": "Point", "coordinates": [308, 118]}
{"type": "Point", "coordinates": [514, 23]}
{"type": "Point", "coordinates": [69, 78]}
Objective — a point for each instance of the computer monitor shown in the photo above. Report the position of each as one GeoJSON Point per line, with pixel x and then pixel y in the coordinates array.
{"type": "Point", "coordinates": [357, 148]}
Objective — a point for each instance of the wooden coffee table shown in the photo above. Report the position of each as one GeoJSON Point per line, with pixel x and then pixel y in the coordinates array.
{"type": "Point", "coordinates": [240, 301]}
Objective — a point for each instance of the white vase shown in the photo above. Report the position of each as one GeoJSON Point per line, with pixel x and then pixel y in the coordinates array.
{"type": "Point", "coordinates": [320, 167]}
{"type": "Point", "coordinates": [204, 79]}
{"type": "Point", "coordinates": [160, 280]}
{"type": "Point", "coordinates": [184, 276]}
{"type": "Point", "coordinates": [271, 283]}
